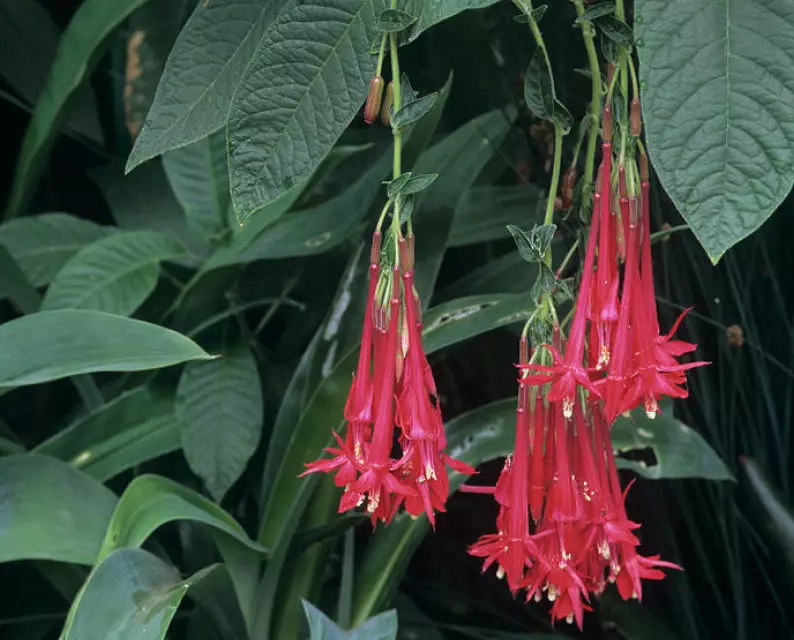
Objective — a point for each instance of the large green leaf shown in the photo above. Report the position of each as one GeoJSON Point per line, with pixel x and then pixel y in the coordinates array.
{"type": "Point", "coordinates": [454, 321]}
{"type": "Point", "coordinates": [680, 451]}
{"type": "Point", "coordinates": [50, 511]}
{"type": "Point", "coordinates": [483, 212]}
{"type": "Point", "coordinates": [506, 274]}
{"type": "Point", "coordinates": [77, 53]}
{"type": "Point", "coordinates": [475, 437]}
{"type": "Point", "coordinates": [321, 627]}
{"type": "Point", "coordinates": [42, 244]}
{"type": "Point", "coordinates": [135, 427]}
{"type": "Point", "coordinates": [431, 12]}
{"type": "Point", "coordinates": [219, 408]}
{"type": "Point", "coordinates": [308, 78]}
{"type": "Point", "coordinates": [151, 501]}
{"type": "Point", "coordinates": [28, 43]}
{"type": "Point", "coordinates": [131, 595]}
{"type": "Point", "coordinates": [718, 102]}
{"type": "Point", "coordinates": [114, 274]}
{"type": "Point", "coordinates": [203, 69]}
{"type": "Point", "coordinates": [50, 345]}
{"type": "Point", "coordinates": [200, 180]}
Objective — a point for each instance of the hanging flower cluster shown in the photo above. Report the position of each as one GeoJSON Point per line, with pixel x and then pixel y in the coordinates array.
{"type": "Point", "coordinates": [393, 397]}
{"type": "Point", "coordinates": [562, 472]}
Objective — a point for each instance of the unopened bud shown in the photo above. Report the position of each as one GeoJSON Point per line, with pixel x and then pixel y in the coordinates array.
{"type": "Point", "coordinates": [622, 182]}
{"type": "Point", "coordinates": [568, 184]}
{"type": "Point", "coordinates": [410, 248]}
{"type": "Point", "coordinates": [610, 74]}
{"type": "Point", "coordinates": [606, 120]}
{"type": "Point", "coordinates": [644, 172]}
{"type": "Point", "coordinates": [523, 351]}
{"type": "Point", "coordinates": [374, 252]}
{"type": "Point", "coordinates": [388, 101]}
{"type": "Point", "coordinates": [374, 97]}
{"type": "Point", "coordinates": [636, 118]}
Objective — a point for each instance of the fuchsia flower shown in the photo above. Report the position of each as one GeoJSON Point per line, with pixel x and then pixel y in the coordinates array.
{"type": "Point", "coordinates": [393, 397]}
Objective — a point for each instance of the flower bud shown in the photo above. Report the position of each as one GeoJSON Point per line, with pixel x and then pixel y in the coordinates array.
{"type": "Point", "coordinates": [636, 118]}
{"type": "Point", "coordinates": [644, 172]}
{"type": "Point", "coordinates": [388, 101]}
{"type": "Point", "coordinates": [374, 97]}
{"type": "Point", "coordinates": [568, 184]}
{"type": "Point", "coordinates": [622, 182]}
{"type": "Point", "coordinates": [523, 351]}
{"type": "Point", "coordinates": [410, 244]}
{"type": "Point", "coordinates": [374, 252]}
{"type": "Point", "coordinates": [607, 124]}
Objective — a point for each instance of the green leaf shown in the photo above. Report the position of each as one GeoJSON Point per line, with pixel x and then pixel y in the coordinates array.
{"type": "Point", "coordinates": [200, 181]}
{"type": "Point", "coordinates": [50, 345]}
{"type": "Point", "coordinates": [201, 74]}
{"type": "Point", "coordinates": [394, 21]}
{"type": "Point", "coordinates": [92, 23]}
{"type": "Point", "coordinates": [131, 595]}
{"type": "Point", "coordinates": [616, 30]}
{"type": "Point", "coordinates": [15, 285]}
{"type": "Point", "coordinates": [457, 320]}
{"type": "Point", "coordinates": [42, 244]}
{"type": "Point", "coordinates": [219, 408]}
{"type": "Point", "coordinates": [532, 244]}
{"type": "Point", "coordinates": [151, 501]}
{"type": "Point", "coordinates": [505, 274]}
{"type": "Point", "coordinates": [719, 119]}
{"type": "Point", "coordinates": [50, 511]}
{"type": "Point", "coordinates": [562, 117]}
{"type": "Point", "coordinates": [412, 112]}
{"type": "Point", "coordinates": [475, 437]}
{"type": "Point", "coordinates": [308, 78]}
{"type": "Point", "coordinates": [127, 431]}
{"type": "Point", "coordinates": [395, 187]}
{"type": "Point", "coordinates": [680, 452]}
{"type": "Point", "coordinates": [539, 88]}
{"type": "Point", "coordinates": [483, 212]}
{"type": "Point", "coordinates": [536, 15]}
{"type": "Point", "coordinates": [321, 627]}
{"type": "Point", "coordinates": [431, 13]}
{"type": "Point", "coordinates": [594, 11]}
{"type": "Point", "coordinates": [408, 184]}
{"type": "Point", "coordinates": [114, 274]}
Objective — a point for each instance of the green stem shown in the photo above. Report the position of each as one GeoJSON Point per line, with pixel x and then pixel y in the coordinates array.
{"type": "Point", "coordinates": [397, 161]}
{"type": "Point", "coordinates": [555, 182]}
{"type": "Point", "coordinates": [588, 34]}
{"type": "Point", "coordinates": [634, 85]}
{"type": "Point", "coordinates": [381, 55]}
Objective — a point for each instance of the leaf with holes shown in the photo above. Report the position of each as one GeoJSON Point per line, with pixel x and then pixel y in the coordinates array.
{"type": "Point", "coordinates": [307, 80]}
{"type": "Point", "coordinates": [114, 274]}
{"type": "Point", "coordinates": [718, 104]}
{"type": "Point", "coordinates": [42, 244]}
{"type": "Point", "coordinates": [219, 408]}
{"type": "Point", "coordinates": [202, 71]}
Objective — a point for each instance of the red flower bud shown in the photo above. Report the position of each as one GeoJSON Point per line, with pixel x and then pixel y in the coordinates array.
{"type": "Point", "coordinates": [644, 173]}
{"type": "Point", "coordinates": [374, 97]}
{"type": "Point", "coordinates": [568, 183]}
{"type": "Point", "coordinates": [607, 124]}
{"type": "Point", "coordinates": [388, 101]}
{"type": "Point", "coordinates": [636, 118]}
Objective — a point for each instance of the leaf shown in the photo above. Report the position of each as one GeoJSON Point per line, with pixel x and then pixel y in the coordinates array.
{"type": "Point", "coordinates": [50, 511]}
{"type": "Point", "coordinates": [457, 320]}
{"type": "Point", "coordinates": [680, 452]}
{"type": "Point", "coordinates": [129, 430]}
{"type": "Point", "coordinates": [200, 181]}
{"type": "Point", "coordinates": [131, 595]}
{"type": "Point", "coordinates": [93, 21]}
{"type": "Point", "coordinates": [523, 244]}
{"type": "Point", "coordinates": [307, 80]}
{"type": "Point", "coordinates": [202, 72]}
{"type": "Point", "coordinates": [50, 345]}
{"type": "Point", "coordinates": [394, 21]}
{"type": "Point", "coordinates": [321, 627]}
{"type": "Point", "coordinates": [412, 112]}
{"type": "Point", "coordinates": [431, 13]}
{"type": "Point", "coordinates": [15, 285]}
{"type": "Point", "coordinates": [616, 30]}
{"type": "Point", "coordinates": [539, 87]}
{"type": "Point", "coordinates": [114, 274]}
{"type": "Point", "coordinates": [28, 43]}
{"type": "Point", "coordinates": [718, 104]}
{"type": "Point", "coordinates": [474, 437]}
{"type": "Point", "coordinates": [410, 184]}
{"type": "Point", "coordinates": [594, 11]}
{"type": "Point", "coordinates": [43, 243]}
{"type": "Point", "coordinates": [151, 501]}
{"type": "Point", "coordinates": [483, 212]}
{"type": "Point", "coordinates": [506, 274]}
{"type": "Point", "coordinates": [219, 408]}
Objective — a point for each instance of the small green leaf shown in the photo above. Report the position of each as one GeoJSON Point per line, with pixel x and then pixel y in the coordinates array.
{"type": "Point", "coordinates": [562, 117]}
{"type": "Point", "coordinates": [412, 112]}
{"type": "Point", "coordinates": [594, 11]}
{"type": "Point", "coordinates": [616, 30]}
{"type": "Point", "coordinates": [524, 244]}
{"type": "Point", "coordinates": [680, 451]}
{"type": "Point", "coordinates": [610, 50]}
{"type": "Point", "coordinates": [407, 91]}
{"type": "Point", "coordinates": [114, 274]}
{"type": "Point", "coordinates": [219, 408]}
{"type": "Point", "coordinates": [50, 511]}
{"type": "Point", "coordinates": [395, 187]}
{"type": "Point", "coordinates": [541, 237]}
{"type": "Point", "coordinates": [394, 21]}
{"type": "Point", "coordinates": [536, 15]}
{"type": "Point", "coordinates": [407, 208]}
{"type": "Point", "coordinates": [50, 345]}
{"type": "Point", "coordinates": [538, 87]}
{"type": "Point", "coordinates": [321, 627]}
{"type": "Point", "coordinates": [43, 243]}
{"type": "Point", "coordinates": [151, 501]}
{"type": "Point", "coordinates": [132, 594]}
{"type": "Point", "coordinates": [411, 184]}
{"type": "Point", "coordinates": [544, 284]}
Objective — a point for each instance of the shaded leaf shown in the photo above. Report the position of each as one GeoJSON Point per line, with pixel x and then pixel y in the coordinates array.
{"type": "Point", "coordinates": [15, 285]}
{"type": "Point", "coordinates": [393, 20]}
{"type": "Point", "coordinates": [539, 88]}
{"type": "Point", "coordinates": [50, 345]}
{"type": "Point", "coordinates": [321, 627]}
{"type": "Point", "coordinates": [431, 13]}
{"type": "Point", "coordinates": [616, 30]}
{"type": "Point", "coordinates": [412, 112]}
{"type": "Point", "coordinates": [594, 11]}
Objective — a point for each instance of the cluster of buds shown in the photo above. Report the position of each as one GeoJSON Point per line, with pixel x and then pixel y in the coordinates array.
{"type": "Point", "coordinates": [392, 401]}
{"type": "Point", "coordinates": [379, 102]}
